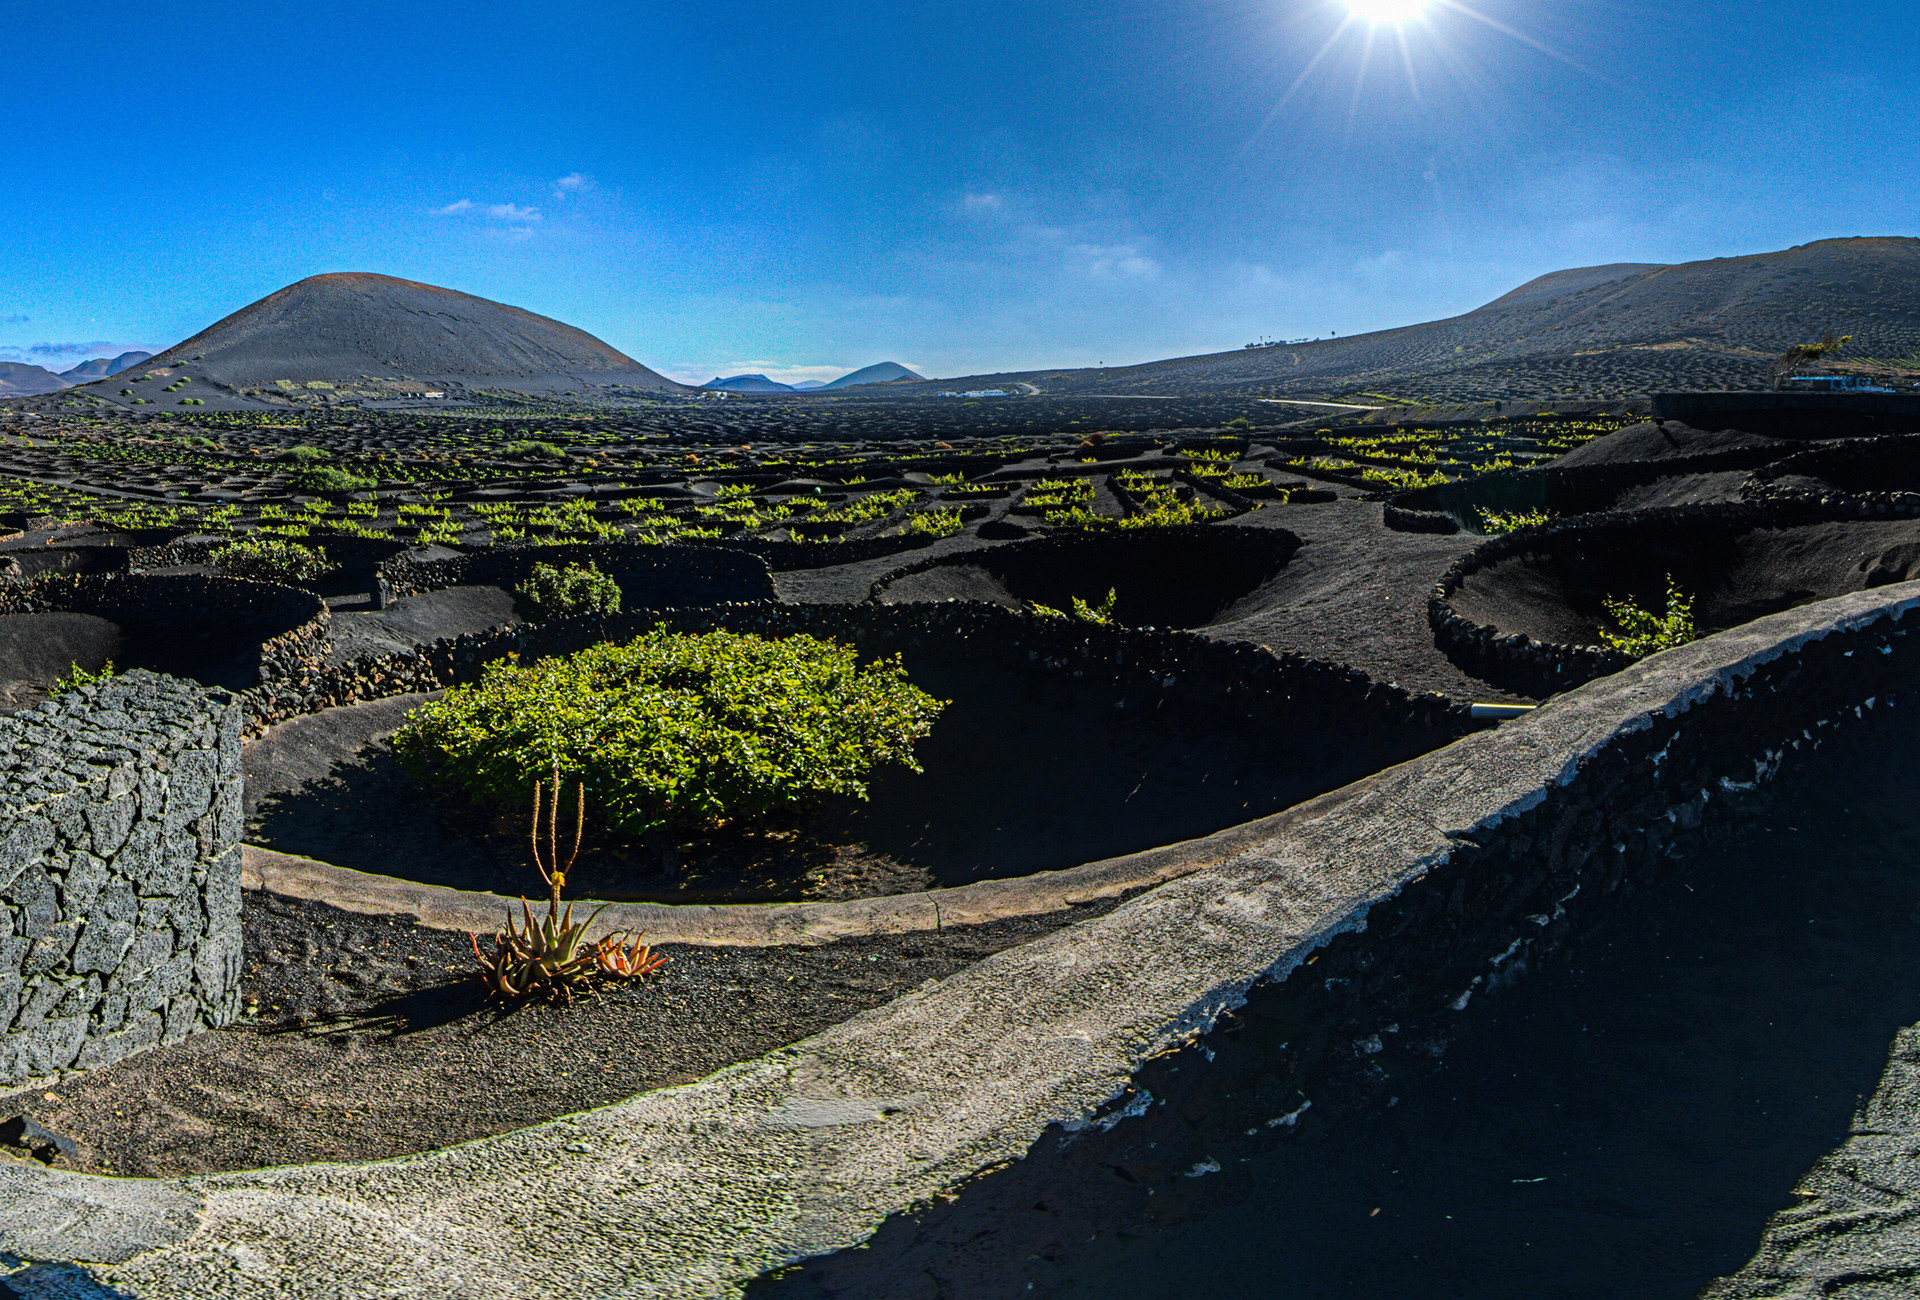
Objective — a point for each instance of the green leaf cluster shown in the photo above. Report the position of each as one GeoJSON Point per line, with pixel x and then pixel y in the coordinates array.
{"type": "Point", "coordinates": [1493, 521]}
{"type": "Point", "coordinates": [1643, 632]}
{"type": "Point", "coordinates": [268, 559]}
{"type": "Point", "coordinates": [675, 730]}
{"type": "Point", "coordinates": [77, 677]}
{"type": "Point", "coordinates": [328, 478]}
{"type": "Point", "coordinates": [568, 592]}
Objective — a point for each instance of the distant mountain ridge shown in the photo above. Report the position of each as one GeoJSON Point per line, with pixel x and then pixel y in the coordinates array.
{"type": "Point", "coordinates": [103, 367]}
{"type": "Point", "coordinates": [1624, 329]}
{"type": "Point", "coordinates": [746, 384]}
{"type": "Point", "coordinates": [18, 379]}
{"type": "Point", "coordinates": [884, 372]}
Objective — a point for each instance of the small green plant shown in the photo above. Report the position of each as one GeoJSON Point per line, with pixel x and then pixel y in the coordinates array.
{"type": "Point", "coordinates": [1643, 632]}
{"type": "Point", "coordinates": [569, 592]}
{"type": "Point", "coordinates": [1493, 521]}
{"type": "Point", "coordinates": [305, 454]}
{"type": "Point", "coordinates": [77, 677]}
{"type": "Point", "coordinates": [266, 558]}
{"type": "Point", "coordinates": [676, 731]}
{"type": "Point", "coordinates": [551, 958]}
{"type": "Point", "coordinates": [328, 478]}
{"type": "Point", "coordinates": [933, 523]}
{"type": "Point", "coordinates": [1101, 613]}
{"type": "Point", "coordinates": [529, 449]}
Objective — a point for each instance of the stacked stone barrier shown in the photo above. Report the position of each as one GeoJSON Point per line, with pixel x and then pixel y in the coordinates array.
{"type": "Point", "coordinates": [1519, 662]}
{"type": "Point", "coordinates": [1568, 490]}
{"type": "Point", "coordinates": [1853, 459]}
{"type": "Point", "coordinates": [1643, 777]}
{"type": "Point", "coordinates": [1308, 693]}
{"type": "Point", "coordinates": [680, 574]}
{"type": "Point", "coordinates": [120, 820]}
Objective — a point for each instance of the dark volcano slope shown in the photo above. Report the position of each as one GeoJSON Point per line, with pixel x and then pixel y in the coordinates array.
{"type": "Point", "coordinates": [1604, 331]}
{"type": "Point", "coordinates": [349, 329]}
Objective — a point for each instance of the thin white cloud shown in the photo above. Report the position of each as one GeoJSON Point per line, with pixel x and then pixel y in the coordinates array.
{"type": "Point", "coordinates": [513, 212]}
{"type": "Point", "coordinates": [1111, 262]}
{"type": "Point", "coordinates": [983, 203]}
{"type": "Point", "coordinates": [455, 208]}
{"type": "Point", "coordinates": [572, 183]}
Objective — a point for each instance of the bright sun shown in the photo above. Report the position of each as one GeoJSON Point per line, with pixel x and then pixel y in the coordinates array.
{"type": "Point", "coordinates": [1387, 11]}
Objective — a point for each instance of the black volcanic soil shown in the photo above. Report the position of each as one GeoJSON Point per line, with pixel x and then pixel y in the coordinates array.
{"type": "Point", "coordinates": [364, 1039]}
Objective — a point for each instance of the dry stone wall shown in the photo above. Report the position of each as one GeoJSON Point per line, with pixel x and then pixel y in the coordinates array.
{"type": "Point", "coordinates": [120, 820]}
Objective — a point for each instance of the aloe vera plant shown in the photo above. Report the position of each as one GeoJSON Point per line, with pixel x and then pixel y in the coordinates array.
{"type": "Point", "coordinates": [551, 957]}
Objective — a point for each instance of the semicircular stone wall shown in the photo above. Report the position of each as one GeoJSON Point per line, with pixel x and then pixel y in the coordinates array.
{"type": "Point", "coordinates": [1524, 610]}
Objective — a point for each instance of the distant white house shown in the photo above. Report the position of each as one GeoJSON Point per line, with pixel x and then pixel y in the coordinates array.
{"type": "Point", "coordinates": [979, 392]}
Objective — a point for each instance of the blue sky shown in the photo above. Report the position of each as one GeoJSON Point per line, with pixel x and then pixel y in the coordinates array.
{"type": "Point", "coordinates": [964, 187]}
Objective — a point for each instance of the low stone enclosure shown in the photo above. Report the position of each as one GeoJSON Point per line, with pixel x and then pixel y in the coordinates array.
{"type": "Point", "coordinates": [1521, 610]}
{"type": "Point", "coordinates": [1566, 491]}
{"type": "Point", "coordinates": [1184, 576]}
{"type": "Point", "coordinates": [1408, 892]}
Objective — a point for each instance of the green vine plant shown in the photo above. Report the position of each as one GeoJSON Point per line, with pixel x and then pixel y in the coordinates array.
{"type": "Point", "coordinates": [1101, 613]}
{"type": "Point", "coordinates": [551, 958]}
{"type": "Point", "coordinates": [1493, 521]}
{"type": "Point", "coordinates": [1643, 632]}
{"type": "Point", "coordinates": [77, 677]}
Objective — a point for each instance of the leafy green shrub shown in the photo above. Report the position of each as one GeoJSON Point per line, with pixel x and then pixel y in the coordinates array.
{"type": "Point", "coordinates": [577, 589]}
{"type": "Point", "coordinates": [306, 454]}
{"type": "Point", "coordinates": [674, 730]}
{"type": "Point", "coordinates": [528, 449]}
{"type": "Point", "coordinates": [328, 478]}
{"type": "Point", "coordinates": [1496, 522]}
{"type": "Point", "coordinates": [1643, 632]}
{"type": "Point", "coordinates": [268, 559]}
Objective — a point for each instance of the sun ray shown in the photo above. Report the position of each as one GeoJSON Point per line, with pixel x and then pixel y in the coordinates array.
{"type": "Point", "coordinates": [1406, 61]}
{"type": "Point", "coordinates": [1506, 29]}
{"type": "Point", "coordinates": [1360, 80]}
{"type": "Point", "coordinates": [1300, 80]}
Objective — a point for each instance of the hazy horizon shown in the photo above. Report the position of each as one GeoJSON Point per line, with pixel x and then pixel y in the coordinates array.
{"type": "Point", "coordinates": [744, 188]}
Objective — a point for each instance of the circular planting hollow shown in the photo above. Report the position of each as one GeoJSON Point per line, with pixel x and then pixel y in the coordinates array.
{"type": "Point", "coordinates": [650, 577]}
{"type": "Point", "coordinates": [1060, 744]}
{"type": "Point", "coordinates": [1187, 576]}
{"type": "Point", "coordinates": [1528, 611]}
{"type": "Point", "coordinates": [1874, 469]}
{"type": "Point", "coordinates": [215, 631]}
{"type": "Point", "coordinates": [1570, 491]}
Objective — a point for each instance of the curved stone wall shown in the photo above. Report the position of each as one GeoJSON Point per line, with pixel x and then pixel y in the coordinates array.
{"type": "Point", "coordinates": [291, 623]}
{"type": "Point", "coordinates": [1878, 475]}
{"type": "Point", "coordinates": [1183, 576]}
{"type": "Point", "coordinates": [1568, 491]}
{"type": "Point", "coordinates": [649, 576]}
{"type": "Point", "coordinates": [1309, 693]}
{"type": "Point", "coordinates": [119, 872]}
{"type": "Point", "coordinates": [1523, 663]}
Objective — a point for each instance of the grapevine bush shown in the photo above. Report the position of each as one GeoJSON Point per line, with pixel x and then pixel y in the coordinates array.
{"type": "Point", "coordinates": [268, 559]}
{"type": "Point", "coordinates": [673, 731]}
{"type": "Point", "coordinates": [577, 589]}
